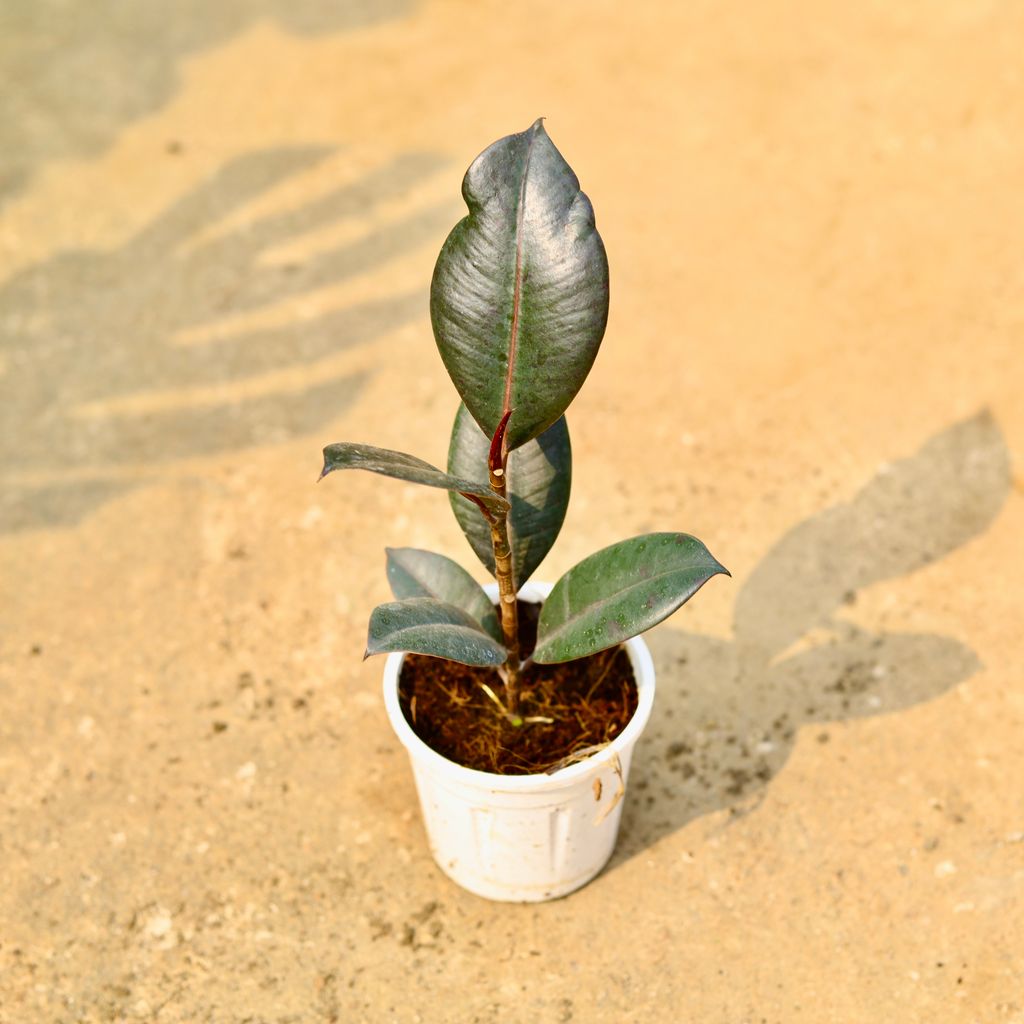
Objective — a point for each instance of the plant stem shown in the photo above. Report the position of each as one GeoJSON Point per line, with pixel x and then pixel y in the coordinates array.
{"type": "Point", "coordinates": [504, 573]}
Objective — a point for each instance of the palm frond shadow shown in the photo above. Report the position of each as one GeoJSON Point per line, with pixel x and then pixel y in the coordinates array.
{"type": "Point", "coordinates": [728, 712]}
{"type": "Point", "coordinates": [78, 75]}
{"type": "Point", "coordinates": [95, 383]}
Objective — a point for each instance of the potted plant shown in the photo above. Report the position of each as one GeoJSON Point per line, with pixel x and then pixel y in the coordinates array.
{"type": "Point", "coordinates": [520, 723]}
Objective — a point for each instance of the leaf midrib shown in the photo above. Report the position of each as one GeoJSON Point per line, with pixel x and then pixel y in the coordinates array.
{"type": "Point", "coordinates": [598, 606]}
{"type": "Point", "coordinates": [513, 341]}
{"type": "Point", "coordinates": [471, 631]}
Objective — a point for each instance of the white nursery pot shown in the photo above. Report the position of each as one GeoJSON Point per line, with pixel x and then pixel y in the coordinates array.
{"type": "Point", "coordinates": [523, 838]}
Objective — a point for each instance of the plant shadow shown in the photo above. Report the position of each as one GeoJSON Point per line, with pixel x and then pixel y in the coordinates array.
{"type": "Point", "coordinates": [77, 73]}
{"type": "Point", "coordinates": [100, 385]}
{"type": "Point", "coordinates": [728, 712]}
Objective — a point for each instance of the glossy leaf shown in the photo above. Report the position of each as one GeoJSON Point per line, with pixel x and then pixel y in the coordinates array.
{"type": "Point", "coordinates": [346, 455]}
{"type": "Point", "coordinates": [538, 475]}
{"type": "Point", "coordinates": [619, 592]}
{"type": "Point", "coordinates": [416, 573]}
{"type": "Point", "coordinates": [519, 298]}
{"type": "Point", "coordinates": [423, 625]}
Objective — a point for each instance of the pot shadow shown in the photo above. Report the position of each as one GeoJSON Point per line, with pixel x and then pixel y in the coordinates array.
{"type": "Point", "coordinates": [727, 712]}
{"type": "Point", "coordinates": [100, 385]}
{"type": "Point", "coordinates": [77, 73]}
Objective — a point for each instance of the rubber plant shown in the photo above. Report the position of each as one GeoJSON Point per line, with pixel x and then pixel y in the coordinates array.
{"type": "Point", "coordinates": [519, 304]}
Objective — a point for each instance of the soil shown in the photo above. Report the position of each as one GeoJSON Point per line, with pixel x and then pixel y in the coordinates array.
{"type": "Point", "coordinates": [582, 703]}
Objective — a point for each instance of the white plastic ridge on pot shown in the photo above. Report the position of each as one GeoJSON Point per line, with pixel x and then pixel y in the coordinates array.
{"type": "Point", "coordinates": [523, 838]}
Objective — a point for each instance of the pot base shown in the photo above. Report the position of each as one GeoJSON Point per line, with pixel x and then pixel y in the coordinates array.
{"type": "Point", "coordinates": [525, 847]}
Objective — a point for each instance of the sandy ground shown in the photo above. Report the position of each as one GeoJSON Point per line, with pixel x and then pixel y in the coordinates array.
{"type": "Point", "coordinates": [217, 229]}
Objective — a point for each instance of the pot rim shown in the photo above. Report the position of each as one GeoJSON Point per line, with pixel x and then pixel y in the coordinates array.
{"type": "Point", "coordinates": [643, 670]}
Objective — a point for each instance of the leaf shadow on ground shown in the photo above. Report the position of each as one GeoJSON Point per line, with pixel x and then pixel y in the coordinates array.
{"type": "Point", "coordinates": [98, 390]}
{"type": "Point", "coordinates": [84, 71]}
{"type": "Point", "coordinates": [727, 713]}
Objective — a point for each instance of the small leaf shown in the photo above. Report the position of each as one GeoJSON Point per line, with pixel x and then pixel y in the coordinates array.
{"type": "Point", "coordinates": [416, 573]}
{"type": "Point", "coordinates": [346, 455]}
{"type": "Point", "coordinates": [422, 625]}
{"type": "Point", "coordinates": [538, 477]}
{"type": "Point", "coordinates": [519, 298]}
{"type": "Point", "coordinates": [619, 592]}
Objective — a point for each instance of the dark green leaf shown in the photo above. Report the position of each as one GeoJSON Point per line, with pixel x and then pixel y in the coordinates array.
{"type": "Point", "coordinates": [619, 592]}
{"type": "Point", "coordinates": [539, 475]}
{"type": "Point", "coordinates": [519, 299]}
{"type": "Point", "coordinates": [346, 455]}
{"type": "Point", "coordinates": [423, 625]}
{"type": "Point", "coordinates": [416, 573]}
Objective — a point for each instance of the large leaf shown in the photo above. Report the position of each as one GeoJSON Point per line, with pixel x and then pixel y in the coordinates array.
{"type": "Point", "coordinates": [519, 299]}
{"type": "Point", "coordinates": [423, 625]}
{"type": "Point", "coordinates": [538, 475]}
{"type": "Point", "coordinates": [619, 592]}
{"type": "Point", "coordinates": [346, 455]}
{"type": "Point", "coordinates": [416, 573]}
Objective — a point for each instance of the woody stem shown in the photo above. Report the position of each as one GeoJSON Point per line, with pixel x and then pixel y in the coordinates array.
{"type": "Point", "coordinates": [504, 573]}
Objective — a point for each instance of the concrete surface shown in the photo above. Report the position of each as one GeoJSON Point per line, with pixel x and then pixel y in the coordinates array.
{"type": "Point", "coordinates": [216, 238]}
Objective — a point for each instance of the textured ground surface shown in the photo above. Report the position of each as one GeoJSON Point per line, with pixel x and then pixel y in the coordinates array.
{"type": "Point", "coordinates": [217, 228]}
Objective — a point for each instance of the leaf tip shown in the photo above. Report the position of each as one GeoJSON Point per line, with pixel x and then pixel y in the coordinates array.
{"type": "Point", "coordinates": [327, 463]}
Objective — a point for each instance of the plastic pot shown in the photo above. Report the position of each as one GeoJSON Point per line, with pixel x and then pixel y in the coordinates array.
{"type": "Point", "coordinates": [523, 838]}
